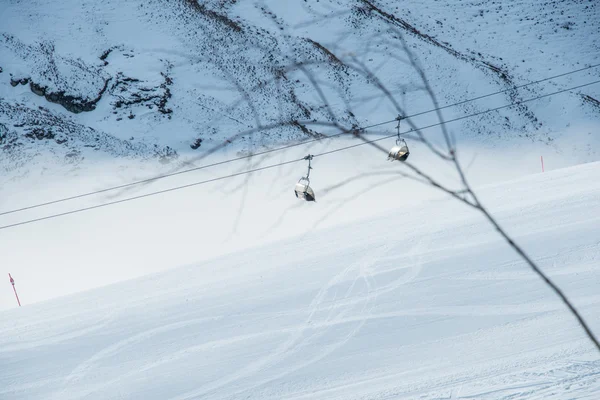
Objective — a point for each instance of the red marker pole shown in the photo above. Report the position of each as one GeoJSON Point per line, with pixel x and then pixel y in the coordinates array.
{"type": "Point", "coordinates": [542, 158]}
{"type": "Point", "coordinates": [12, 282]}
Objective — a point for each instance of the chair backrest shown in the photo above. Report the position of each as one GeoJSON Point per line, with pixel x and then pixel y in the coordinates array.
{"type": "Point", "coordinates": [303, 190]}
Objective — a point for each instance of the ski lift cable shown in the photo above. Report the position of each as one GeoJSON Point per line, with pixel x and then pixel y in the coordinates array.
{"type": "Point", "coordinates": [78, 210]}
{"type": "Point", "coordinates": [285, 162]}
{"type": "Point", "coordinates": [158, 177]}
{"type": "Point", "coordinates": [462, 117]}
{"type": "Point", "coordinates": [506, 90]}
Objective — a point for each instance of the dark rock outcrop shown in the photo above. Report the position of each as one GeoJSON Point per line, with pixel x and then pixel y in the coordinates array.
{"type": "Point", "coordinates": [196, 144]}
{"type": "Point", "coordinates": [71, 103]}
{"type": "Point", "coordinates": [40, 134]}
{"type": "Point", "coordinates": [15, 82]}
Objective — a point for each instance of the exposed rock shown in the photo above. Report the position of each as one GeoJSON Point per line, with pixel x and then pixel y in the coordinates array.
{"type": "Point", "coordinates": [3, 133]}
{"type": "Point", "coordinates": [16, 82]}
{"type": "Point", "coordinates": [196, 144]}
{"type": "Point", "coordinates": [213, 15]}
{"type": "Point", "coordinates": [131, 91]}
{"type": "Point", "coordinates": [52, 130]}
{"type": "Point", "coordinates": [61, 79]}
{"type": "Point", "coordinates": [106, 53]}
{"type": "Point", "coordinates": [71, 103]}
{"type": "Point", "coordinates": [590, 100]}
{"type": "Point", "coordinates": [166, 154]}
{"type": "Point", "coordinates": [306, 130]}
{"type": "Point", "coordinates": [40, 134]}
{"type": "Point", "coordinates": [162, 104]}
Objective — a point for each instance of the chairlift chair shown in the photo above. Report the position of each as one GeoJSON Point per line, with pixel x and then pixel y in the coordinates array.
{"type": "Point", "coordinates": [400, 151]}
{"type": "Point", "coordinates": [302, 190]}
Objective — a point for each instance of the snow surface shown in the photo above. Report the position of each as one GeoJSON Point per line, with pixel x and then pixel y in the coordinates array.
{"type": "Point", "coordinates": [383, 289]}
{"type": "Point", "coordinates": [424, 302]}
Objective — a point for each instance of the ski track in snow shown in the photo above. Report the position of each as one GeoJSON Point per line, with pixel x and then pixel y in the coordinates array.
{"type": "Point", "coordinates": [424, 302]}
{"type": "Point", "coordinates": [296, 340]}
{"type": "Point", "coordinates": [84, 368]}
{"type": "Point", "coordinates": [365, 268]}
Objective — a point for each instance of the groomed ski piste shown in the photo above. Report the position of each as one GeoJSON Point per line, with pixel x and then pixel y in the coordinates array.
{"type": "Point", "coordinates": [425, 301]}
{"type": "Point", "coordinates": [383, 289]}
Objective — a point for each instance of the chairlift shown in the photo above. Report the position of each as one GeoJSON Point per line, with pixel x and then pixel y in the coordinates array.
{"type": "Point", "coordinates": [303, 189]}
{"type": "Point", "coordinates": [400, 151]}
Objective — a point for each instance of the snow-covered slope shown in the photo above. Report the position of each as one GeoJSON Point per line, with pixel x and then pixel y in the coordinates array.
{"type": "Point", "coordinates": [426, 302]}
{"type": "Point", "coordinates": [87, 80]}
{"type": "Point", "coordinates": [390, 291]}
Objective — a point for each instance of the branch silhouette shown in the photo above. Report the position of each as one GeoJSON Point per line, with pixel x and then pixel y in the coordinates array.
{"type": "Point", "coordinates": [336, 126]}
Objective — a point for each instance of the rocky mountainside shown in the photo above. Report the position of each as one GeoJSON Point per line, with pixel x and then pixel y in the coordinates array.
{"type": "Point", "coordinates": [164, 80]}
